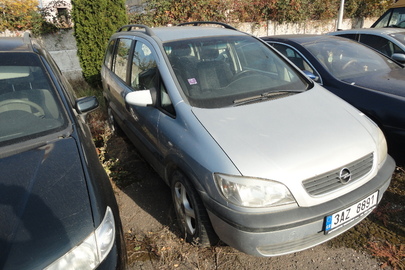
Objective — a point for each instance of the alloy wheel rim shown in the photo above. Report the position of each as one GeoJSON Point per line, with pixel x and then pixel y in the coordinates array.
{"type": "Point", "coordinates": [184, 208]}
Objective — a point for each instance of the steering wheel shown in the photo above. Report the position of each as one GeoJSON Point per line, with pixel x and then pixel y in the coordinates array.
{"type": "Point", "coordinates": [243, 74]}
{"type": "Point", "coordinates": [351, 62]}
{"type": "Point", "coordinates": [40, 112]}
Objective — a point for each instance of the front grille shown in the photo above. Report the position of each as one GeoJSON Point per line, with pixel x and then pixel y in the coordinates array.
{"type": "Point", "coordinates": [330, 181]}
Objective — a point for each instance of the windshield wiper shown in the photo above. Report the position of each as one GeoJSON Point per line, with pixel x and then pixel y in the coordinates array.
{"type": "Point", "coordinates": [264, 96]}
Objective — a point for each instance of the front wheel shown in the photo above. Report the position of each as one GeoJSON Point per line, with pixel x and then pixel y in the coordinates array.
{"type": "Point", "coordinates": [191, 214]}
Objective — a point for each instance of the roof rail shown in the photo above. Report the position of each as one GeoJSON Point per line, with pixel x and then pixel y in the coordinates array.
{"type": "Point", "coordinates": [208, 22]}
{"type": "Point", "coordinates": [130, 26]}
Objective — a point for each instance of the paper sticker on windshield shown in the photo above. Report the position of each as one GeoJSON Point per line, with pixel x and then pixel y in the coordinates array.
{"type": "Point", "coordinates": [192, 81]}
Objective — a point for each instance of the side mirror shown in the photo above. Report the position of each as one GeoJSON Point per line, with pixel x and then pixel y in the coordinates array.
{"type": "Point", "coordinates": [140, 98]}
{"type": "Point", "coordinates": [311, 75]}
{"type": "Point", "coordinates": [399, 57]}
{"type": "Point", "coordinates": [86, 104]}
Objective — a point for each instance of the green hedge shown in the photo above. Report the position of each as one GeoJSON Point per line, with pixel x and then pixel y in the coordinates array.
{"type": "Point", "coordinates": [163, 12]}
{"type": "Point", "coordinates": [94, 23]}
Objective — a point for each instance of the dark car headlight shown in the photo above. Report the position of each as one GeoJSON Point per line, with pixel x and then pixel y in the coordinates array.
{"type": "Point", "coordinates": [93, 250]}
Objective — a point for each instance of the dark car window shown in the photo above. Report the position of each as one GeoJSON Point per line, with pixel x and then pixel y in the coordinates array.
{"type": "Point", "coordinates": [28, 104]}
{"type": "Point", "coordinates": [120, 64]}
{"type": "Point", "coordinates": [218, 71]}
{"type": "Point", "coordinates": [350, 36]}
{"type": "Point", "coordinates": [393, 17]}
{"type": "Point", "coordinates": [401, 38]}
{"type": "Point", "coordinates": [144, 68]}
{"type": "Point", "coordinates": [294, 57]}
{"type": "Point", "coordinates": [145, 75]}
{"type": "Point", "coordinates": [346, 59]}
{"type": "Point", "coordinates": [379, 43]}
{"type": "Point", "coordinates": [109, 53]}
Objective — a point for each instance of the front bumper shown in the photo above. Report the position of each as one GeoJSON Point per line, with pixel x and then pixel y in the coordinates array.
{"type": "Point", "coordinates": [274, 234]}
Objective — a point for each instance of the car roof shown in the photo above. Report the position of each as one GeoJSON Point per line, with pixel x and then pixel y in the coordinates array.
{"type": "Point", "coordinates": [398, 4]}
{"type": "Point", "coordinates": [17, 44]}
{"type": "Point", "coordinates": [300, 38]}
{"type": "Point", "coordinates": [188, 32]}
{"type": "Point", "coordinates": [376, 31]}
{"type": "Point", "coordinates": [172, 33]}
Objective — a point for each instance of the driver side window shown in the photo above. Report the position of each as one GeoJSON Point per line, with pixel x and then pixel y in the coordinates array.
{"type": "Point", "coordinates": [295, 57]}
{"type": "Point", "coordinates": [144, 73]}
{"type": "Point", "coordinates": [145, 76]}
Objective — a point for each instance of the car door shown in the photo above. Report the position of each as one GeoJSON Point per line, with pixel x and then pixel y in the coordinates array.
{"type": "Point", "coordinates": [114, 74]}
{"type": "Point", "coordinates": [142, 121]}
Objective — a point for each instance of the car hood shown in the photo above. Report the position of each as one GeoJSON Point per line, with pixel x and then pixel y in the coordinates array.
{"type": "Point", "coordinates": [293, 138]}
{"type": "Point", "coordinates": [44, 205]}
{"type": "Point", "coordinates": [392, 82]}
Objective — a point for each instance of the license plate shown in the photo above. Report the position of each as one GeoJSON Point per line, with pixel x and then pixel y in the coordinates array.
{"type": "Point", "coordinates": [345, 216]}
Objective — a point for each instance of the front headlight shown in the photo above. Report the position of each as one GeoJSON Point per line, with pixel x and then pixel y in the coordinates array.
{"type": "Point", "coordinates": [381, 147]}
{"type": "Point", "coordinates": [92, 251]}
{"type": "Point", "coordinates": [252, 192]}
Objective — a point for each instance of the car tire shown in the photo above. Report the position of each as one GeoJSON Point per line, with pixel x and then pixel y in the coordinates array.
{"type": "Point", "coordinates": [192, 216]}
{"type": "Point", "coordinates": [115, 129]}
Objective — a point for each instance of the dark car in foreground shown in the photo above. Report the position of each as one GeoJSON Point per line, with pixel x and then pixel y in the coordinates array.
{"type": "Point", "coordinates": [57, 207]}
{"type": "Point", "coordinates": [363, 77]}
{"type": "Point", "coordinates": [255, 153]}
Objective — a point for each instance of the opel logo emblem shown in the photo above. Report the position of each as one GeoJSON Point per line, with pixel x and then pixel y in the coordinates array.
{"type": "Point", "coordinates": [345, 175]}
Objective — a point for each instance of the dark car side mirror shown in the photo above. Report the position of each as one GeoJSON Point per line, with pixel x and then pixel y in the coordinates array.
{"type": "Point", "coordinates": [399, 57]}
{"type": "Point", "coordinates": [86, 104]}
{"type": "Point", "coordinates": [311, 75]}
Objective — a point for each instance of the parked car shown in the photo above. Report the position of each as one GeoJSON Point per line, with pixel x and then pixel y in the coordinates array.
{"type": "Point", "coordinates": [389, 41]}
{"type": "Point", "coordinates": [254, 152]}
{"type": "Point", "coordinates": [57, 208]}
{"type": "Point", "coordinates": [361, 76]}
{"type": "Point", "coordinates": [393, 17]}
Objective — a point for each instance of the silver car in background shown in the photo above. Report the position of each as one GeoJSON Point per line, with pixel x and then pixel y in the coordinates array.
{"type": "Point", "coordinates": [255, 153]}
{"type": "Point", "coordinates": [388, 41]}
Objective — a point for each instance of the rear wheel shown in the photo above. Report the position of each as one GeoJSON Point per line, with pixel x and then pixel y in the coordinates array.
{"type": "Point", "coordinates": [191, 214]}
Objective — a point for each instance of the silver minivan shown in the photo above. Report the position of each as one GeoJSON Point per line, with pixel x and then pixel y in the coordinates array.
{"type": "Point", "coordinates": [255, 153]}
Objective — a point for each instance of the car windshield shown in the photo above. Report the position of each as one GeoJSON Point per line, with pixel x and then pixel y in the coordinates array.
{"type": "Point", "coordinates": [219, 71]}
{"type": "Point", "coordinates": [346, 59]}
{"type": "Point", "coordinates": [28, 105]}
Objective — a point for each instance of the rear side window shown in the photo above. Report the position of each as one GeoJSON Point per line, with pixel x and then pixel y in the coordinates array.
{"type": "Point", "coordinates": [109, 53]}
{"type": "Point", "coordinates": [379, 43]}
{"type": "Point", "coordinates": [120, 64]}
